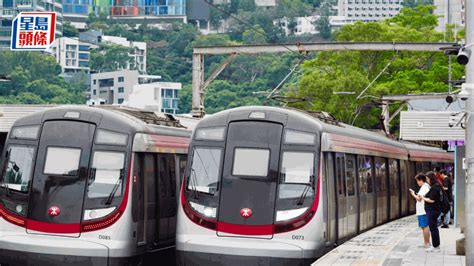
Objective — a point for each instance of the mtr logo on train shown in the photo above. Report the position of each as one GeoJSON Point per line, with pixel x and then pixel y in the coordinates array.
{"type": "Point", "coordinates": [246, 213]}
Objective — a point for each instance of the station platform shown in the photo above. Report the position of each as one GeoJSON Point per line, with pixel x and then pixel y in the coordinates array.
{"type": "Point", "coordinates": [396, 243]}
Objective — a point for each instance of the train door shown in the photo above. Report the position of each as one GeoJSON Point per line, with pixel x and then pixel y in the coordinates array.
{"type": "Point", "coordinates": [331, 207]}
{"type": "Point", "coordinates": [381, 189]}
{"type": "Point", "coordinates": [412, 184]}
{"type": "Point", "coordinates": [352, 199]}
{"type": "Point", "coordinates": [167, 203]}
{"type": "Point", "coordinates": [249, 176]}
{"type": "Point", "coordinates": [404, 187]}
{"type": "Point", "coordinates": [366, 193]}
{"type": "Point", "coordinates": [341, 197]}
{"type": "Point", "coordinates": [60, 179]}
{"type": "Point", "coordinates": [394, 189]}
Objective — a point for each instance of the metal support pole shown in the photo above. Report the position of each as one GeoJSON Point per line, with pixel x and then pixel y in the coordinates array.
{"type": "Point", "coordinates": [469, 233]}
{"type": "Point", "coordinates": [386, 115]}
{"type": "Point", "coordinates": [198, 80]}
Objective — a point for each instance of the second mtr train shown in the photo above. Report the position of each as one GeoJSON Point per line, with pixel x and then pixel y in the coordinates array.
{"type": "Point", "coordinates": [274, 186]}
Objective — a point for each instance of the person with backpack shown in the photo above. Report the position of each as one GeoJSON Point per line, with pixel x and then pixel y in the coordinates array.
{"type": "Point", "coordinates": [420, 207]}
{"type": "Point", "coordinates": [433, 210]}
{"type": "Point", "coordinates": [447, 186]}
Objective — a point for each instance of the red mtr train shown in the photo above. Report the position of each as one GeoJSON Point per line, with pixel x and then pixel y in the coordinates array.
{"type": "Point", "coordinates": [90, 186]}
{"type": "Point", "coordinates": [273, 186]}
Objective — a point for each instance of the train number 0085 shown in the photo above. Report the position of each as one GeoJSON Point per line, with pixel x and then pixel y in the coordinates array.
{"type": "Point", "coordinates": [297, 237]}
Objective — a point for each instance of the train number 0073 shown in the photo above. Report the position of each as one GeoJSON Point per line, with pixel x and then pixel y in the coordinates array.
{"type": "Point", "coordinates": [297, 237]}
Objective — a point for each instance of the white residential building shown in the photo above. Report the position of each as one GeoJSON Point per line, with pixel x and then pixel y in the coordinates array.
{"type": "Point", "coordinates": [301, 25]}
{"type": "Point", "coordinates": [72, 55]}
{"type": "Point", "coordinates": [115, 87]}
{"type": "Point", "coordinates": [450, 12]}
{"type": "Point", "coordinates": [137, 54]}
{"type": "Point", "coordinates": [307, 25]}
{"type": "Point", "coordinates": [368, 10]}
{"type": "Point", "coordinates": [156, 96]}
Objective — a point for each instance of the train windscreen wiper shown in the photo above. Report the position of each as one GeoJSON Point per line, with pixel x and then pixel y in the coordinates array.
{"type": "Point", "coordinates": [114, 189]}
{"type": "Point", "coordinates": [194, 183]}
{"type": "Point", "coordinates": [305, 191]}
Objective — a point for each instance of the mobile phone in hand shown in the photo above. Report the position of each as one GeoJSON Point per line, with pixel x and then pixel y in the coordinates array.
{"type": "Point", "coordinates": [411, 190]}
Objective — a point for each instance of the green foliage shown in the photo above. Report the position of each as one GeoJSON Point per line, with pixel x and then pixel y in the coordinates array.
{"type": "Point", "coordinates": [69, 30]}
{"type": "Point", "coordinates": [409, 72]}
{"type": "Point", "coordinates": [34, 80]}
{"type": "Point", "coordinates": [109, 58]}
{"type": "Point", "coordinates": [323, 24]}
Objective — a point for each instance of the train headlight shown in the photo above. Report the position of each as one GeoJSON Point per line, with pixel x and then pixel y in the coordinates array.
{"type": "Point", "coordinates": [289, 214]}
{"type": "Point", "coordinates": [97, 213]}
{"type": "Point", "coordinates": [209, 212]}
{"type": "Point", "coordinates": [206, 211]}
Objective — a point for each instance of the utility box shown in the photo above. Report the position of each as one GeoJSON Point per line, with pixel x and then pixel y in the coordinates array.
{"type": "Point", "coordinates": [431, 125]}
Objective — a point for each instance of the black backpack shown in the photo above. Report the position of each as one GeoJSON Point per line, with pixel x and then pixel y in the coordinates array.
{"type": "Point", "coordinates": [445, 205]}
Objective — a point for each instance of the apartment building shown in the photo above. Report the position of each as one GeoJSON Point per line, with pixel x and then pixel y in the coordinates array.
{"type": "Point", "coordinates": [157, 96]}
{"type": "Point", "coordinates": [137, 52]}
{"type": "Point", "coordinates": [127, 11]}
{"type": "Point", "coordinates": [368, 10]}
{"type": "Point", "coordinates": [450, 12]}
{"type": "Point", "coordinates": [72, 55]}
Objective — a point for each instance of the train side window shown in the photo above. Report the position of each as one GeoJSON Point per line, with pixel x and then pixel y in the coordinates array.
{"type": "Point", "coordinates": [380, 176]}
{"type": "Point", "coordinates": [419, 167]}
{"type": "Point", "coordinates": [108, 167]}
{"type": "Point", "coordinates": [350, 174]}
{"type": "Point", "coordinates": [427, 167]}
{"type": "Point", "coordinates": [68, 158]}
{"type": "Point", "coordinates": [19, 168]}
{"type": "Point", "coordinates": [341, 185]}
{"type": "Point", "coordinates": [370, 178]}
{"type": "Point", "coordinates": [365, 174]}
{"type": "Point", "coordinates": [393, 170]}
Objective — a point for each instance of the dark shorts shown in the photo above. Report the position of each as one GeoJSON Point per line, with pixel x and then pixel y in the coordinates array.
{"type": "Point", "coordinates": [422, 221]}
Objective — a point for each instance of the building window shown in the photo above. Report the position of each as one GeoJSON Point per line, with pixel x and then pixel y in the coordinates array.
{"type": "Point", "coordinates": [94, 92]}
{"type": "Point", "coordinates": [83, 48]}
{"type": "Point", "coordinates": [71, 47]}
{"type": "Point", "coordinates": [120, 100]}
{"type": "Point", "coordinates": [106, 82]}
{"type": "Point", "coordinates": [121, 89]}
{"type": "Point", "coordinates": [120, 79]}
{"type": "Point", "coordinates": [95, 81]}
{"type": "Point", "coordinates": [84, 56]}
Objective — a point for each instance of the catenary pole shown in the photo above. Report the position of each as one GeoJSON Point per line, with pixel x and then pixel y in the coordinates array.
{"type": "Point", "coordinates": [469, 231]}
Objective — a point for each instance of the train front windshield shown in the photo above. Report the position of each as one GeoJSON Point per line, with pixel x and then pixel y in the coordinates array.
{"type": "Point", "coordinates": [252, 173]}
{"type": "Point", "coordinates": [62, 172]}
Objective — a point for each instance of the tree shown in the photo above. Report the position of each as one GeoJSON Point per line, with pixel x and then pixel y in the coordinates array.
{"type": "Point", "coordinates": [323, 24]}
{"type": "Point", "coordinates": [409, 72]}
{"type": "Point", "coordinates": [35, 80]}
{"type": "Point", "coordinates": [69, 30]}
{"type": "Point", "coordinates": [109, 58]}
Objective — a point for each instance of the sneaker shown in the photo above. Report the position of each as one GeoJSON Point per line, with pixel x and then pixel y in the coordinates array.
{"type": "Point", "coordinates": [445, 226]}
{"type": "Point", "coordinates": [436, 249]}
{"type": "Point", "coordinates": [429, 249]}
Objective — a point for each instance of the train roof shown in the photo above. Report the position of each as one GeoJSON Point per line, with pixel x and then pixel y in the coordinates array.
{"type": "Point", "coordinates": [122, 118]}
{"type": "Point", "coordinates": [338, 136]}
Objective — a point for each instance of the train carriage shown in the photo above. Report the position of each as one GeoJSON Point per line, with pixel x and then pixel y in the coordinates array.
{"type": "Point", "coordinates": [273, 186]}
{"type": "Point", "coordinates": [90, 186]}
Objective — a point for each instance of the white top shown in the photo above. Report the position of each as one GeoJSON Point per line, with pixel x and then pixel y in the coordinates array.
{"type": "Point", "coordinates": [420, 205]}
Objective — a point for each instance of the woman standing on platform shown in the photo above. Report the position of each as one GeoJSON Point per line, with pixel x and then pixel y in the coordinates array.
{"type": "Point", "coordinates": [420, 207]}
{"type": "Point", "coordinates": [433, 209]}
